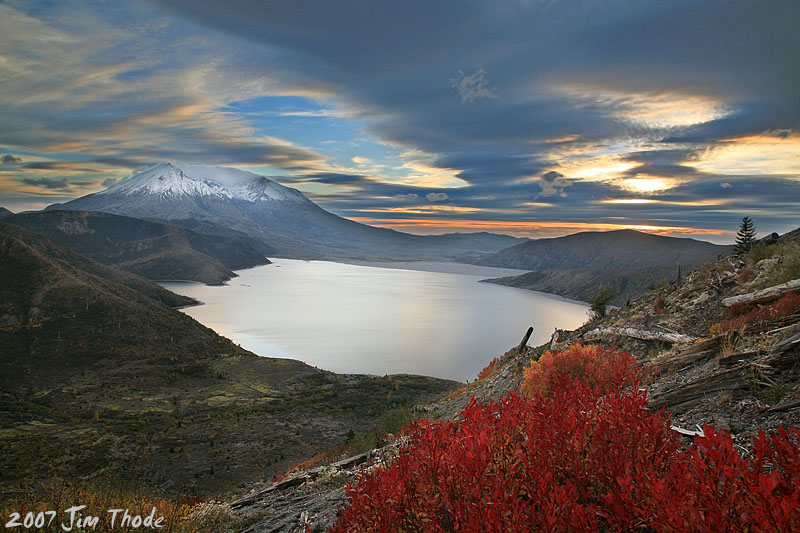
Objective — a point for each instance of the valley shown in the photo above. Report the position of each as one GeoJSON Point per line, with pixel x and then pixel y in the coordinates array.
{"type": "Point", "coordinates": [103, 380]}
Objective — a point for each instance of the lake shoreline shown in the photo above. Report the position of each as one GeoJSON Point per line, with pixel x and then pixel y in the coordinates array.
{"type": "Point", "coordinates": [364, 319]}
{"type": "Point", "coordinates": [441, 267]}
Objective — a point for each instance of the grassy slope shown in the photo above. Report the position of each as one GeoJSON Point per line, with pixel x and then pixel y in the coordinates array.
{"type": "Point", "coordinates": [100, 379]}
{"type": "Point", "coordinates": [146, 248]}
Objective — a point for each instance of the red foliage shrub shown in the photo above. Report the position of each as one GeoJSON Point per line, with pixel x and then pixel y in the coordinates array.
{"type": "Point", "coordinates": [487, 371]}
{"type": "Point", "coordinates": [746, 274]}
{"type": "Point", "coordinates": [660, 306]}
{"type": "Point", "coordinates": [739, 309]}
{"type": "Point", "coordinates": [576, 461]}
{"type": "Point", "coordinates": [762, 316]}
{"type": "Point", "coordinates": [595, 366]}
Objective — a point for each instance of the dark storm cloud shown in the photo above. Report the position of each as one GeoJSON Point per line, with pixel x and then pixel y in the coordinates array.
{"type": "Point", "coordinates": [507, 60]}
{"type": "Point", "coordinates": [512, 97]}
{"type": "Point", "coordinates": [10, 160]}
{"type": "Point", "coordinates": [335, 178]}
{"type": "Point", "coordinates": [48, 183]}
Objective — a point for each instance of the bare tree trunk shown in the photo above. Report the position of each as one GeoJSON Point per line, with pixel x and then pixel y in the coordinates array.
{"type": "Point", "coordinates": [527, 336]}
{"type": "Point", "coordinates": [643, 334]}
{"type": "Point", "coordinates": [764, 295]}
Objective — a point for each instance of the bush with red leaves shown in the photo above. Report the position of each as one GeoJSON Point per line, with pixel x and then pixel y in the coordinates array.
{"type": "Point", "coordinates": [593, 365]}
{"type": "Point", "coordinates": [761, 317]}
{"type": "Point", "coordinates": [576, 460]}
{"type": "Point", "coordinates": [487, 371]}
{"type": "Point", "coordinates": [746, 274]}
{"type": "Point", "coordinates": [660, 305]}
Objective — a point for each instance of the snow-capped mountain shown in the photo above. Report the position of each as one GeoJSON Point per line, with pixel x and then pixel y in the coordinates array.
{"type": "Point", "coordinates": [277, 215]}
{"type": "Point", "coordinates": [177, 180]}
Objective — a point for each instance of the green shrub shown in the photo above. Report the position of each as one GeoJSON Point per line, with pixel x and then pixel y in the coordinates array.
{"type": "Point", "coordinates": [599, 300]}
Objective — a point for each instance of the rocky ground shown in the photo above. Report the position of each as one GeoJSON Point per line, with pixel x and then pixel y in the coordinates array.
{"type": "Point", "coordinates": [704, 371]}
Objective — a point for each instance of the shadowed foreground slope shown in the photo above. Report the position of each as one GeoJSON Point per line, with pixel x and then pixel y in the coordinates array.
{"type": "Point", "coordinates": [101, 379]}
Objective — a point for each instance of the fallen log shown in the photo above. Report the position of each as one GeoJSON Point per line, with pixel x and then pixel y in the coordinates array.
{"type": "Point", "coordinates": [687, 395]}
{"type": "Point", "coordinates": [786, 406]}
{"type": "Point", "coordinates": [738, 358]}
{"type": "Point", "coordinates": [302, 478]}
{"type": "Point", "coordinates": [785, 345]}
{"type": "Point", "coordinates": [764, 295]}
{"type": "Point", "coordinates": [694, 354]}
{"type": "Point", "coordinates": [642, 334]}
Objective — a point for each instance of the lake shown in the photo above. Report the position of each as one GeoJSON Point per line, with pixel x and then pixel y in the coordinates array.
{"type": "Point", "coordinates": [368, 320]}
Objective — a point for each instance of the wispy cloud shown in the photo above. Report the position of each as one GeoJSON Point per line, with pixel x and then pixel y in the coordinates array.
{"type": "Point", "coordinates": [474, 86]}
{"type": "Point", "coordinates": [533, 111]}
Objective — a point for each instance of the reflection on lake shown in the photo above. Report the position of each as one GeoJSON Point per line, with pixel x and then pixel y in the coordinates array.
{"type": "Point", "coordinates": [368, 320]}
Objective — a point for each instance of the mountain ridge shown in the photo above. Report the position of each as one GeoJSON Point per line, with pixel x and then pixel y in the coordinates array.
{"type": "Point", "coordinates": [280, 216]}
{"type": "Point", "coordinates": [153, 250]}
{"type": "Point", "coordinates": [626, 248]}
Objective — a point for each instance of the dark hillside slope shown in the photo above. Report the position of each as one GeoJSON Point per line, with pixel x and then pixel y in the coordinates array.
{"type": "Point", "coordinates": [100, 379]}
{"type": "Point", "coordinates": [580, 283]}
{"type": "Point", "coordinates": [610, 249]}
{"type": "Point", "coordinates": [62, 313]}
{"type": "Point", "coordinates": [149, 249]}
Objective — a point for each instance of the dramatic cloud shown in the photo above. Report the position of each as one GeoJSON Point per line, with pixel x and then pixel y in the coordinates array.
{"type": "Point", "coordinates": [9, 159]}
{"type": "Point", "coordinates": [553, 182]}
{"type": "Point", "coordinates": [48, 183]}
{"type": "Point", "coordinates": [523, 113]}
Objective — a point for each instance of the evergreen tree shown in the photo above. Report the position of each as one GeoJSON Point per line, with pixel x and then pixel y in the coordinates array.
{"type": "Point", "coordinates": [600, 298]}
{"type": "Point", "coordinates": [746, 236]}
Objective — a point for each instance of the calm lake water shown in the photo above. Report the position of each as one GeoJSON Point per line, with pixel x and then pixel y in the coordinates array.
{"type": "Point", "coordinates": [368, 320]}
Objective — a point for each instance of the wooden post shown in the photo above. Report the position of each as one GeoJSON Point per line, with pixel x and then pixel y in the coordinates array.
{"type": "Point", "coordinates": [527, 336]}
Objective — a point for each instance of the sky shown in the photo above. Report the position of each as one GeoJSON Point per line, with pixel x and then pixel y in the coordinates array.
{"type": "Point", "coordinates": [536, 118]}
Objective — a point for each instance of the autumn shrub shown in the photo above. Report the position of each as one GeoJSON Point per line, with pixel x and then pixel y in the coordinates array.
{"type": "Point", "coordinates": [488, 369]}
{"type": "Point", "coordinates": [746, 274]}
{"type": "Point", "coordinates": [761, 317]}
{"type": "Point", "coordinates": [576, 461]}
{"type": "Point", "coordinates": [595, 366]}
{"type": "Point", "coordinates": [660, 305]}
{"type": "Point", "coordinates": [739, 309]}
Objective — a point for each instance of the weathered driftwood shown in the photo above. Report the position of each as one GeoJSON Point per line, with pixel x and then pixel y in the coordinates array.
{"type": "Point", "coordinates": [785, 345]}
{"type": "Point", "coordinates": [643, 334]}
{"type": "Point", "coordinates": [687, 395]}
{"type": "Point", "coordinates": [688, 432]}
{"type": "Point", "coordinates": [694, 354]}
{"type": "Point", "coordinates": [786, 406]}
{"type": "Point", "coordinates": [301, 478]}
{"type": "Point", "coordinates": [738, 357]}
{"type": "Point", "coordinates": [764, 295]}
{"type": "Point", "coordinates": [524, 342]}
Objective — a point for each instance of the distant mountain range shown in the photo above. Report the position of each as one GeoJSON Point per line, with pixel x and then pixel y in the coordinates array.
{"type": "Point", "coordinates": [5, 212]}
{"type": "Point", "coordinates": [150, 249]}
{"type": "Point", "coordinates": [609, 249]}
{"type": "Point", "coordinates": [281, 217]}
{"type": "Point", "coordinates": [575, 265]}
{"type": "Point", "coordinates": [280, 221]}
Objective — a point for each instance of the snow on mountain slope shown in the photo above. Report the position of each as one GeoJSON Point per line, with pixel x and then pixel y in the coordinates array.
{"type": "Point", "coordinates": [176, 180]}
{"type": "Point", "coordinates": [281, 217]}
